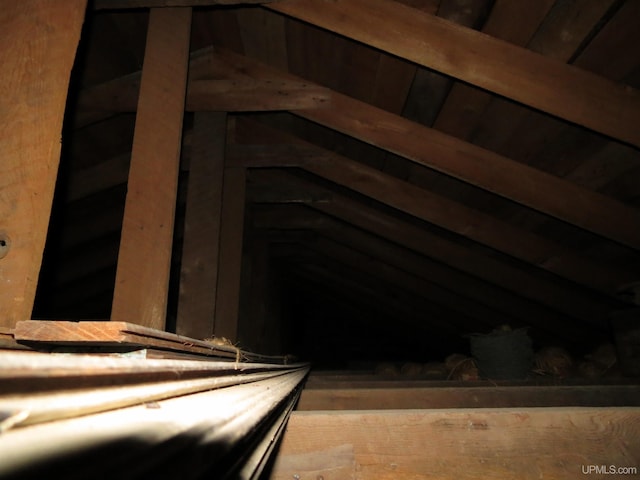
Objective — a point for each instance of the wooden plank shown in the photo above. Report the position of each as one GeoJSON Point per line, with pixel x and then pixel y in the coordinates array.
{"type": "Point", "coordinates": [465, 104]}
{"type": "Point", "coordinates": [435, 209]}
{"type": "Point", "coordinates": [414, 397]}
{"type": "Point", "coordinates": [43, 34]}
{"type": "Point", "coordinates": [527, 443]}
{"type": "Point", "coordinates": [230, 262]}
{"type": "Point", "coordinates": [497, 174]}
{"type": "Point", "coordinates": [232, 95]}
{"type": "Point", "coordinates": [114, 333]}
{"type": "Point", "coordinates": [199, 267]}
{"type": "Point", "coordinates": [142, 276]}
{"type": "Point", "coordinates": [514, 72]}
{"type": "Point", "coordinates": [521, 183]}
{"type": "Point", "coordinates": [541, 191]}
{"type": "Point", "coordinates": [430, 88]}
{"type": "Point", "coordinates": [254, 95]}
{"type": "Point", "coordinates": [225, 424]}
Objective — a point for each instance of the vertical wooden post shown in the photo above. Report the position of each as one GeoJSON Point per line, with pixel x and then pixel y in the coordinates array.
{"type": "Point", "coordinates": [38, 42]}
{"type": "Point", "coordinates": [230, 265]}
{"type": "Point", "coordinates": [142, 276]}
{"type": "Point", "coordinates": [199, 269]}
{"type": "Point", "coordinates": [253, 295]}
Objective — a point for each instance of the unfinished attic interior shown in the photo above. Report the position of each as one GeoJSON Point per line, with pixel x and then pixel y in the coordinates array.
{"type": "Point", "coordinates": [307, 238]}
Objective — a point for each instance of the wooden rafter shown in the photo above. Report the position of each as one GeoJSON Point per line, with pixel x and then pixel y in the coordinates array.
{"type": "Point", "coordinates": [433, 208]}
{"type": "Point", "coordinates": [521, 183]}
{"type": "Point", "coordinates": [445, 286]}
{"type": "Point", "coordinates": [476, 58]}
{"type": "Point", "coordinates": [555, 295]}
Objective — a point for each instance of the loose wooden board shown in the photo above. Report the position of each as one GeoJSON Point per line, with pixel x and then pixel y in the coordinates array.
{"type": "Point", "coordinates": [116, 334]}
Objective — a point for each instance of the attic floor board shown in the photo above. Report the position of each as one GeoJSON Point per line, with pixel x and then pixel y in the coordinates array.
{"type": "Point", "coordinates": [525, 443]}
{"type": "Point", "coordinates": [422, 396]}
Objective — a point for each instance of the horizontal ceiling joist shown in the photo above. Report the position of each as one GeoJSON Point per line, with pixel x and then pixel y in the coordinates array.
{"type": "Point", "coordinates": [445, 213]}
{"type": "Point", "coordinates": [553, 294]}
{"type": "Point", "coordinates": [487, 170]}
{"type": "Point", "coordinates": [479, 59]}
{"type": "Point", "coordinates": [229, 94]}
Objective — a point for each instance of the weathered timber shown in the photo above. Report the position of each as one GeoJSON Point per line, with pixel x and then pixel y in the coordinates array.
{"type": "Point", "coordinates": [490, 171]}
{"type": "Point", "coordinates": [465, 104]}
{"type": "Point", "coordinates": [254, 95]}
{"type": "Point", "coordinates": [554, 295]}
{"type": "Point", "coordinates": [142, 276]}
{"type": "Point", "coordinates": [43, 34]}
{"type": "Point", "coordinates": [390, 397]}
{"type": "Point", "coordinates": [120, 334]}
{"type": "Point", "coordinates": [132, 409]}
{"type": "Point", "coordinates": [508, 70]}
{"type": "Point", "coordinates": [527, 443]}
{"type": "Point", "coordinates": [433, 208]}
{"type": "Point", "coordinates": [230, 259]}
{"type": "Point", "coordinates": [200, 252]}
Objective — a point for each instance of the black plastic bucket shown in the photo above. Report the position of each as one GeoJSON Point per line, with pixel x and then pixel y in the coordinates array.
{"type": "Point", "coordinates": [503, 354]}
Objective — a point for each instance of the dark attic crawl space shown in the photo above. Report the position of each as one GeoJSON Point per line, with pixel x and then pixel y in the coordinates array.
{"type": "Point", "coordinates": [422, 205]}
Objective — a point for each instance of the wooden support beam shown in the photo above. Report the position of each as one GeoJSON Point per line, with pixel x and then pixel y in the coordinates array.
{"type": "Point", "coordinates": [465, 104]}
{"type": "Point", "coordinates": [492, 64]}
{"type": "Point", "coordinates": [142, 277]}
{"type": "Point", "coordinates": [495, 271]}
{"type": "Point", "coordinates": [523, 184]}
{"type": "Point", "coordinates": [230, 259]}
{"type": "Point", "coordinates": [254, 95]}
{"type": "Point", "coordinates": [39, 41]}
{"type": "Point", "coordinates": [435, 209]}
{"type": "Point", "coordinates": [527, 443]}
{"type": "Point", "coordinates": [199, 267]}
{"type": "Point", "coordinates": [440, 289]}
{"type": "Point", "coordinates": [237, 93]}
{"type": "Point", "coordinates": [397, 395]}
